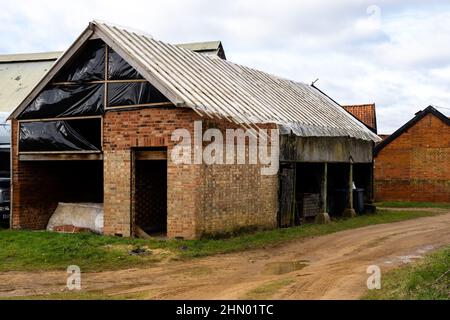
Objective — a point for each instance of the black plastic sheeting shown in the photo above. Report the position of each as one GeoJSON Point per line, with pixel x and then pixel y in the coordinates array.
{"type": "Point", "coordinates": [67, 101]}
{"type": "Point", "coordinates": [134, 93]}
{"type": "Point", "coordinates": [119, 69]}
{"type": "Point", "coordinates": [87, 65]}
{"type": "Point", "coordinates": [52, 136]}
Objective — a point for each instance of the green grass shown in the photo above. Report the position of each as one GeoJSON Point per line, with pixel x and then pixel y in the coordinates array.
{"type": "Point", "coordinates": [428, 279]}
{"type": "Point", "coordinates": [403, 204]}
{"type": "Point", "coordinates": [33, 251]}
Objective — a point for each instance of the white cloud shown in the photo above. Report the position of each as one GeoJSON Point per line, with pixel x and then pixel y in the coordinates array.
{"type": "Point", "coordinates": [395, 53]}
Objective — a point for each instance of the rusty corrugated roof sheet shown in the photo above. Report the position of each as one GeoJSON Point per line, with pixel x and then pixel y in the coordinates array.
{"type": "Point", "coordinates": [366, 113]}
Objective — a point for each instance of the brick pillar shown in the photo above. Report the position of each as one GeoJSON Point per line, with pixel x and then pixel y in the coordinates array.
{"type": "Point", "coordinates": [117, 192]}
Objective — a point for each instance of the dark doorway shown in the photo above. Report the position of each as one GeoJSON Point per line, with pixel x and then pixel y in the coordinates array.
{"type": "Point", "coordinates": [150, 192]}
{"type": "Point", "coordinates": [337, 188]}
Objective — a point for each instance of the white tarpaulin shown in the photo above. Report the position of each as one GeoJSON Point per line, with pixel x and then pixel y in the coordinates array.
{"type": "Point", "coordinates": [80, 215]}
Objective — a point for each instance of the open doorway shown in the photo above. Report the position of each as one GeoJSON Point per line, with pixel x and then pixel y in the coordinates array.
{"type": "Point", "coordinates": [337, 188]}
{"type": "Point", "coordinates": [150, 192]}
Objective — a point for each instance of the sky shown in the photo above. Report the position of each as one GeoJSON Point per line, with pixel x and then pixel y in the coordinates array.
{"type": "Point", "coordinates": [393, 53]}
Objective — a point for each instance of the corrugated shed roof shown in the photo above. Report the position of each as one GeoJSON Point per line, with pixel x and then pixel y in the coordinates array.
{"type": "Point", "coordinates": [19, 73]}
{"type": "Point", "coordinates": [28, 57]}
{"type": "Point", "coordinates": [366, 113]}
{"type": "Point", "coordinates": [219, 87]}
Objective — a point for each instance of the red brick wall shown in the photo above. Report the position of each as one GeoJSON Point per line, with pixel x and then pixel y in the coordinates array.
{"type": "Point", "coordinates": [202, 199]}
{"type": "Point", "coordinates": [416, 165]}
{"type": "Point", "coordinates": [39, 186]}
{"type": "Point", "coordinates": [237, 196]}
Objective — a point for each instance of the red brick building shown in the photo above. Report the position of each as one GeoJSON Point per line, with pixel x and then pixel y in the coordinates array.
{"type": "Point", "coordinates": [98, 129]}
{"type": "Point", "coordinates": [413, 164]}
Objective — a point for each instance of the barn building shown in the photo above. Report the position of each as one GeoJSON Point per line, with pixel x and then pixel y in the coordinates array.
{"type": "Point", "coordinates": [98, 128]}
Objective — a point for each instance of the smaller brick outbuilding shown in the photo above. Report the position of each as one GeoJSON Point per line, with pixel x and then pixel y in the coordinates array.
{"type": "Point", "coordinates": [413, 164]}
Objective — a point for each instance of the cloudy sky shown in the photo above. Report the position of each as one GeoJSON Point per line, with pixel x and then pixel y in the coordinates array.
{"type": "Point", "coordinates": [395, 53]}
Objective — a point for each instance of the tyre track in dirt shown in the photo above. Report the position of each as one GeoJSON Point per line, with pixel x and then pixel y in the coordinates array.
{"type": "Point", "coordinates": [335, 268]}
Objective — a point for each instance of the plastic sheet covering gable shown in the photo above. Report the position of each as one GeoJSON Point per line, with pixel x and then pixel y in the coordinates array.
{"type": "Point", "coordinates": [119, 69]}
{"type": "Point", "coordinates": [67, 101]}
{"type": "Point", "coordinates": [52, 136]}
{"type": "Point", "coordinates": [87, 65]}
{"type": "Point", "coordinates": [125, 94]}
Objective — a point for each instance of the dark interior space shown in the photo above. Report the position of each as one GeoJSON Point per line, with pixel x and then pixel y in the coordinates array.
{"type": "Point", "coordinates": [46, 183]}
{"type": "Point", "coordinates": [5, 162]}
{"type": "Point", "coordinates": [150, 196]}
{"type": "Point", "coordinates": [308, 189]}
{"type": "Point", "coordinates": [363, 178]}
{"type": "Point", "coordinates": [337, 188]}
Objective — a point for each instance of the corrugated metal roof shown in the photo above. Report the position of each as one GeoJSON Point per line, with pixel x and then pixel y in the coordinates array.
{"type": "Point", "coordinates": [19, 74]}
{"type": "Point", "coordinates": [28, 57]}
{"type": "Point", "coordinates": [219, 87]}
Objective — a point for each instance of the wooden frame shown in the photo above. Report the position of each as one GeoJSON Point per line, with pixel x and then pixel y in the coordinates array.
{"type": "Point", "coordinates": [71, 83]}
{"type": "Point", "coordinates": [156, 104]}
{"type": "Point", "coordinates": [59, 64]}
{"type": "Point", "coordinates": [150, 155]}
{"type": "Point", "coordinates": [58, 119]}
{"type": "Point", "coordinates": [60, 156]}
{"type": "Point", "coordinates": [92, 33]}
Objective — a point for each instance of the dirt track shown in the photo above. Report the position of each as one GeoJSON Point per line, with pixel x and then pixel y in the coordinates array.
{"type": "Point", "coordinates": [328, 267]}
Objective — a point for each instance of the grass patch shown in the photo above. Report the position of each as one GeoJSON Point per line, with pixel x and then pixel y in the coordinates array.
{"type": "Point", "coordinates": [32, 251]}
{"type": "Point", "coordinates": [403, 204]}
{"type": "Point", "coordinates": [428, 279]}
{"type": "Point", "coordinates": [267, 290]}
{"type": "Point", "coordinates": [66, 296]}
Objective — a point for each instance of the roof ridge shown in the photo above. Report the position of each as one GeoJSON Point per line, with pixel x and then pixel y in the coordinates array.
{"type": "Point", "coordinates": [417, 117]}
{"type": "Point", "coordinates": [218, 87]}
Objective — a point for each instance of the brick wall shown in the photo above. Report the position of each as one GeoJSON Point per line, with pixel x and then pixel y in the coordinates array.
{"type": "Point", "coordinates": [416, 165]}
{"type": "Point", "coordinates": [202, 199]}
{"type": "Point", "coordinates": [237, 196]}
{"type": "Point", "coordinates": [39, 186]}
{"type": "Point", "coordinates": [150, 127]}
